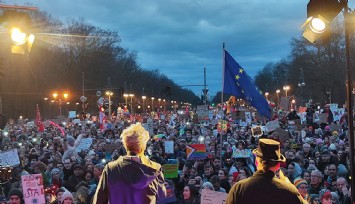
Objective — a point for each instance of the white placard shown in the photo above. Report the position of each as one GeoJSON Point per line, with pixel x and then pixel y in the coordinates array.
{"type": "Point", "coordinates": [72, 114]}
{"type": "Point", "coordinates": [213, 197]}
{"type": "Point", "coordinates": [9, 158]}
{"type": "Point", "coordinates": [169, 147]}
{"type": "Point", "coordinates": [272, 125]}
{"type": "Point", "coordinates": [85, 143]}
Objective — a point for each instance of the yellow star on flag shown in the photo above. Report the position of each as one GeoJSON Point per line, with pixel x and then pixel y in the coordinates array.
{"type": "Point", "coordinates": [241, 70]}
{"type": "Point", "coordinates": [237, 77]}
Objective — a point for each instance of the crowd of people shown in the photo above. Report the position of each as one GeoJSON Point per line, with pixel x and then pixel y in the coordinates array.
{"type": "Point", "coordinates": [316, 163]}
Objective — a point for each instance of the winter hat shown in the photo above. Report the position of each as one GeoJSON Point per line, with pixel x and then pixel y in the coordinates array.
{"type": "Point", "coordinates": [319, 141]}
{"type": "Point", "coordinates": [17, 192]}
{"type": "Point", "coordinates": [65, 195]}
{"type": "Point", "coordinates": [335, 196]}
{"type": "Point", "coordinates": [324, 193]}
{"type": "Point", "coordinates": [312, 197]}
{"type": "Point", "coordinates": [327, 128]}
{"type": "Point", "coordinates": [55, 170]}
{"type": "Point", "coordinates": [299, 181]}
{"type": "Point", "coordinates": [308, 140]}
{"type": "Point", "coordinates": [341, 142]}
{"type": "Point", "coordinates": [332, 147]}
{"type": "Point", "coordinates": [335, 133]}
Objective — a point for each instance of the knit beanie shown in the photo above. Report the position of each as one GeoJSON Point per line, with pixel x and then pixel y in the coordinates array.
{"type": "Point", "coordinates": [55, 170]}
{"type": "Point", "coordinates": [324, 192]}
{"type": "Point", "coordinates": [17, 192]}
{"type": "Point", "coordinates": [300, 181]}
{"type": "Point", "coordinates": [65, 195]}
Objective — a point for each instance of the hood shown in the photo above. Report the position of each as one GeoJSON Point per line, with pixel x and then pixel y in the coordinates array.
{"type": "Point", "coordinates": [139, 175]}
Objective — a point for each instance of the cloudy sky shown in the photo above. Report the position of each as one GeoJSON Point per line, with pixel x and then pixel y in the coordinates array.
{"type": "Point", "coordinates": [181, 37]}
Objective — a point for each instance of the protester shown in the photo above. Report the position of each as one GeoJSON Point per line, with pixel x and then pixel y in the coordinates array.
{"type": "Point", "coordinates": [253, 190]}
{"type": "Point", "coordinates": [135, 178]}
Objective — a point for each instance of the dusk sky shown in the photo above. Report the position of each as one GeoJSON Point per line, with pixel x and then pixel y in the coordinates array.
{"type": "Point", "coordinates": [181, 37]}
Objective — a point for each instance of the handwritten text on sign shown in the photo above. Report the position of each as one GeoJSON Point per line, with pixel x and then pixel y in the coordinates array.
{"type": "Point", "coordinates": [32, 187]}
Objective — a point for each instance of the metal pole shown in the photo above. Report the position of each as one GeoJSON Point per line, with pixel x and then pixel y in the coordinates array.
{"type": "Point", "coordinates": [349, 98]}
{"type": "Point", "coordinates": [83, 102]}
{"type": "Point", "coordinates": [131, 105]}
{"type": "Point", "coordinates": [204, 86]}
{"type": "Point", "coordinates": [109, 104]}
{"type": "Point", "coordinates": [60, 107]}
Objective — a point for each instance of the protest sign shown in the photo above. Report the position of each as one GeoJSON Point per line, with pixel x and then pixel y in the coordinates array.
{"type": "Point", "coordinates": [32, 187]}
{"type": "Point", "coordinates": [213, 197]}
{"type": "Point", "coordinates": [9, 158]}
{"type": "Point", "coordinates": [302, 109]}
{"type": "Point", "coordinates": [85, 143]}
{"type": "Point", "coordinates": [240, 115]}
{"type": "Point", "coordinates": [319, 118]}
{"type": "Point", "coordinates": [338, 113]}
{"type": "Point", "coordinates": [244, 153]}
{"type": "Point", "coordinates": [256, 131]}
{"type": "Point", "coordinates": [248, 117]}
{"type": "Point", "coordinates": [196, 151]}
{"type": "Point", "coordinates": [170, 170]}
{"type": "Point", "coordinates": [284, 103]}
{"type": "Point", "coordinates": [272, 125]}
{"type": "Point", "coordinates": [169, 147]}
{"type": "Point", "coordinates": [283, 134]}
{"type": "Point", "coordinates": [222, 126]}
{"type": "Point", "coordinates": [336, 127]}
{"type": "Point", "coordinates": [72, 114]}
{"type": "Point", "coordinates": [76, 121]}
{"type": "Point", "coordinates": [202, 113]}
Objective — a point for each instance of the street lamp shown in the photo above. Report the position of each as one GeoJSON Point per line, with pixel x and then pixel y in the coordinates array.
{"type": "Point", "coordinates": [164, 104]}
{"type": "Point", "coordinates": [277, 94]}
{"type": "Point", "coordinates": [152, 103]}
{"type": "Point", "coordinates": [143, 98]}
{"type": "Point", "coordinates": [159, 99]}
{"type": "Point", "coordinates": [286, 88]}
{"type": "Point", "coordinates": [60, 100]}
{"type": "Point", "coordinates": [266, 95]}
{"type": "Point", "coordinates": [125, 96]}
{"type": "Point", "coordinates": [109, 94]}
{"type": "Point", "coordinates": [329, 10]}
{"type": "Point", "coordinates": [131, 95]}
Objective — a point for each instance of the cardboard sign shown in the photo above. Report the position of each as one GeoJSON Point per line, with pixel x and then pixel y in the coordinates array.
{"type": "Point", "coordinates": [336, 127]}
{"type": "Point", "coordinates": [9, 158]}
{"type": "Point", "coordinates": [85, 143]}
{"type": "Point", "coordinates": [284, 103]}
{"type": "Point", "coordinates": [170, 170]}
{"type": "Point", "coordinates": [32, 187]}
{"type": "Point", "coordinates": [169, 147]}
{"type": "Point", "coordinates": [72, 114]}
{"type": "Point", "coordinates": [248, 117]}
{"type": "Point", "coordinates": [272, 125]}
{"type": "Point", "coordinates": [213, 197]}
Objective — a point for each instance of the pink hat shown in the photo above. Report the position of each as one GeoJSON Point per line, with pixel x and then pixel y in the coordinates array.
{"type": "Point", "coordinates": [319, 141]}
{"type": "Point", "coordinates": [327, 128]}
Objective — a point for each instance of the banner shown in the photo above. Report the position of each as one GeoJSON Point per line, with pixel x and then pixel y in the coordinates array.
{"type": "Point", "coordinates": [338, 113]}
{"type": "Point", "coordinates": [85, 143]}
{"type": "Point", "coordinates": [170, 170]}
{"type": "Point", "coordinates": [196, 151]}
{"type": "Point", "coordinates": [9, 158]}
{"type": "Point", "coordinates": [213, 197]}
{"type": "Point", "coordinates": [32, 187]}
{"type": "Point", "coordinates": [248, 117]}
{"type": "Point", "coordinates": [319, 118]}
{"type": "Point", "coordinates": [237, 153]}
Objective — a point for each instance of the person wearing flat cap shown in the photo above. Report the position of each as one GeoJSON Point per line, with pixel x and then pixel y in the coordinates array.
{"type": "Point", "coordinates": [264, 186]}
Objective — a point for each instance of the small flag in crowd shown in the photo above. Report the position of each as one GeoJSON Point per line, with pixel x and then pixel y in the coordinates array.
{"type": "Point", "coordinates": [238, 83]}
{"type": "Point", "coordinates": [39, 124]}
{"type": "Point", "coordinates": [196, 151]}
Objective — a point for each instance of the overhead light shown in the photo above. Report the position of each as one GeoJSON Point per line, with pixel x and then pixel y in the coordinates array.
{"type": "Point", "coordinates": [317, 25]}
{"type": "Point", "coordinates": [18, 37]}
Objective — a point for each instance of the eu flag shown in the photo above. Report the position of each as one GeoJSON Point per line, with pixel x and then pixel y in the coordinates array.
{"type": "Point", "coordinates": [238, 83]}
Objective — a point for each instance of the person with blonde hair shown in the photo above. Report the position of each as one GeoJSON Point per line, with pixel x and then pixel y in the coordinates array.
{"type": "Point", "coordinates": [132, 178]}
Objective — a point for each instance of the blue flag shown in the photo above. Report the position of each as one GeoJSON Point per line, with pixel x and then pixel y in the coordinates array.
{"type": "Point", "coordinates": [237, 83]}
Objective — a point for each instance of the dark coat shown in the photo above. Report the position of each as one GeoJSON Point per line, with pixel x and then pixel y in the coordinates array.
{"type": "Point", "coordinates": [264, 187]}
{"type": "Point", "coordinates": [126, 181]}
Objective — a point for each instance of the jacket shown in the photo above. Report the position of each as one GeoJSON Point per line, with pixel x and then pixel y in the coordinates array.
{"type": "Point", "coordinates": [264, 187]}
{"type": "Point", "coordinates": [128, 181]}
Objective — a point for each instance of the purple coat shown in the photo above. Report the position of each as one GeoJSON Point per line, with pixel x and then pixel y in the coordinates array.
{"type": "Point", "coordinates": [127, 181]}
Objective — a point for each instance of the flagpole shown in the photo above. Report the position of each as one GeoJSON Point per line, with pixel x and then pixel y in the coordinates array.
{"type": "Point", "coordinates": [223, 70]}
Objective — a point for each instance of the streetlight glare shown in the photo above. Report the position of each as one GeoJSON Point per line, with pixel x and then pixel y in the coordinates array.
{"type": "Point", "coordinates": [65, 95]}
{"type": "Point", "coordinates": [18, 37]}
{"type": "Point", "coordinates": [55, 95]}
{"type": "Point", "coordinates": [317, 25]}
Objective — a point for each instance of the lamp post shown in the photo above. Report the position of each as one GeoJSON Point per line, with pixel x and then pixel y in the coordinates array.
{"type": "Point", "coordinates": [125, 97]}
{"type": "Point", "coordinates": [329, 10]}
{"type": "Point", "coordinates": [278, 98]}
{"type": "Point", "coordinates": [60, 100]}
{"type": "Point", "coordinates": [143, 98]}
{"type": "Point", "coordinates": [131, 95]}
{"type": "Point", "coordinates": [152, 103]}
{"type": "Point", "coordinates": [159, 99]}
{"type": "Point", "coordinates": [286, 88]}
{"type": "Point", "coordinates": [266, 95]}
{"type": "Point", "coordinates": [109, 94]}
{"type": "Point", "coordinates": [164, 104]}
